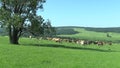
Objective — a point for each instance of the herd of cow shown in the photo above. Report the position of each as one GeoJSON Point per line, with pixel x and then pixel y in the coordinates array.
{"type": "Point", "coordinates": [78, 41]}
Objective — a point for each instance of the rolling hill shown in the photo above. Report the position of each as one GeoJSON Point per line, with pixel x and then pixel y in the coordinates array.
{"type": "Point", "coordinates": [89, 33]}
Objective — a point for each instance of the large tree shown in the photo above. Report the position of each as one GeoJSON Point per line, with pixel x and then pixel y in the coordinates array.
{"type": "Point", "coordinates": [40, 27]}
{"type": "Point", "coordinates": [48, 29]}
{"type": "Point", "coordinates": [15, 14]}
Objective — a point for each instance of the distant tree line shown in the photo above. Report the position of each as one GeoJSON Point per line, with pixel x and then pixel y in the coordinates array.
{"type": "Point", "coordinates": [115, 29]}
{"type": "Point", "coordinates": [65, 31]}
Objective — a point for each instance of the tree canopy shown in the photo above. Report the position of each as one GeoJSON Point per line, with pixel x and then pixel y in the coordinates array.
{"type": "Point", "coordinates": [15, 13]}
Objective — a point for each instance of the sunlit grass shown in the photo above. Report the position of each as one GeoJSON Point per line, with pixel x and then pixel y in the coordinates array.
{"type": "Point", "coordinates": [33, 53]}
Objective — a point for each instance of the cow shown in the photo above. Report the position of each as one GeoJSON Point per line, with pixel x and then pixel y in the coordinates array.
{"type": "Point", "coordinates": [57, 40]}
{"type": "Point", "coordinates": [100, 43]}
{"type": "Point", "coordinates": [81, 42]}
{"type": "Point", "coordinates": [30, 37]}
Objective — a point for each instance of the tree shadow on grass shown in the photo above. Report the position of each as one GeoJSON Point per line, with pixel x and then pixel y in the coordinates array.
{"type": "Point", "coordinates": [70, 47]}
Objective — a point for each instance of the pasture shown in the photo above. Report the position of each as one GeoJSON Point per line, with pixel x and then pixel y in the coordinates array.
{"type": "Point", "coordinates": [33, 53]}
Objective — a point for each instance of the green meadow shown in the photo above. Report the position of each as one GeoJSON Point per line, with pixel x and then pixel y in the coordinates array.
{"type": "Point", "coordinates": [33, 53]}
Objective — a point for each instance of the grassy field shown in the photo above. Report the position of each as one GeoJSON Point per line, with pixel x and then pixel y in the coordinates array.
{"type": "Point", "coordinates": [32, 53]}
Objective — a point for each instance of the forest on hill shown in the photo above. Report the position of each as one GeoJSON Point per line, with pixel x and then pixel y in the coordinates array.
{"type": "Point", "coordinates": [68, 30]}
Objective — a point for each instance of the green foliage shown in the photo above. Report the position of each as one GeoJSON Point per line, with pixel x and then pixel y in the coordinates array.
{"type": "Point", "coordinates": [48, 29]}
{"type": "Point", "coordinates": [15, 13]}
{"type": "Point", "coordinates": [39, 27]}
{"type": "Point", "coordinates": [35, 26]}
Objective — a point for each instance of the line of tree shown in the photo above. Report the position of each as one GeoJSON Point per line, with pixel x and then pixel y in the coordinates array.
{"type": "Point", "coordinates": [65, 31]}
{"type": "Point", "coordinates": [18, 15]}
{"type": "Point", "coordinates": [45, 29]}
{"type": "Point", "coordinates": [106, 30]}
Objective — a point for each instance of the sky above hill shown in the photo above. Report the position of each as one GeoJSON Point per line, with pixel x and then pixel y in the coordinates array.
{"type": "Point", "coordinates": [87, 13]}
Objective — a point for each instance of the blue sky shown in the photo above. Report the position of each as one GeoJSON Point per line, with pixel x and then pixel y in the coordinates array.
{"type": "Point", "coordinates": [87, 13]}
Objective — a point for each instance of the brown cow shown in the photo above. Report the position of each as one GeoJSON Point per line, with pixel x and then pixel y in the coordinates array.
{"type": "Point", "coordinates": [57, 40]}
{"type": "Point", "coordinates": [100, 43]}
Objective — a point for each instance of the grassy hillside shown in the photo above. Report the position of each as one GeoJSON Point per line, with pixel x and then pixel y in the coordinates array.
{"type": "Point", "coordinates": [32, 53]}
{"type": "Point", "coordinates": [82, 33]}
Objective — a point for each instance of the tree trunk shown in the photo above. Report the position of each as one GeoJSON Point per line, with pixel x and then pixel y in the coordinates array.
{"type": "Point", "coordinates": [13, 35]}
